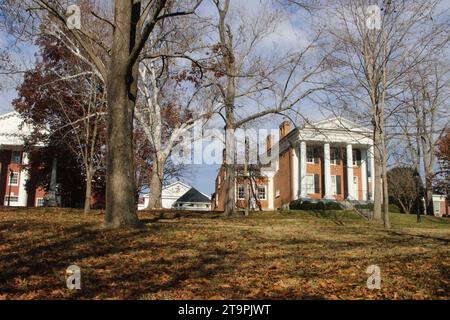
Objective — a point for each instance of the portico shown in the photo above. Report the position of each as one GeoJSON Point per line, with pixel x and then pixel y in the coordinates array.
{"type": "Point", "coordinates": [330, 159]}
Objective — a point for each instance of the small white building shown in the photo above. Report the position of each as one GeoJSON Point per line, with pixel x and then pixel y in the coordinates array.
{"type": "Point", "coordinates": [193, 200]}
{"type": "Point", "coordinates": [170, 194]}
{"type": "Point", "coordinates": [440, 205]}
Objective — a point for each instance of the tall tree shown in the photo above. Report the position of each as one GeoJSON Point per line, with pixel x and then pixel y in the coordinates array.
{"type": "Point", "coordinates": [376, 44]}
{"type": "Point", "coordinates": [117, 65]}
{"type": "Point", "coordinates": [421, 116]}
{"type": "Point", "coordinates": [250, 84]}
{"type": "Point", "coordinates": [61, 99]}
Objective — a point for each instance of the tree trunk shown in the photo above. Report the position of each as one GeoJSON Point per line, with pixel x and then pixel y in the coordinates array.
{"type": "Point", "coordinates": [429, 194]}
{"type": "Point", "coordinates": [156, 182]}
{"type": "Point", "coordinates": [52, 202]}
{"type": "Point", "coordinates": [230, 190]}
{"type": "Point", "coordinates": [377, 197]}
{"type": "Point", "coordinates": [120, 179]}
{"type": "Point", "coordinates": [88, 193]}
{"type": "Point", "coordinates": [386, 220]}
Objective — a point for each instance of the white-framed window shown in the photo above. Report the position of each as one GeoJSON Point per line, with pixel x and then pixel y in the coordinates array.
{"type": "Point", "coordinates": [355, 157]}
{"type": "Point", "coordinates": [333, 185]}
{"type": "Point", "coordinates": [310, 154]}
{"type": "Point", "coordinates": [12, 200]}
{"type": "Point", "coordinates": [310, 187]}
{"type": "Point", "coordinates": [262, 192]}
{"type": "Point", "coordinates": [277, 193]}
{"type": "Point", "coordinates": [39, 202]}
{"type": "Point", "coordinates": [437, 207]}
{"type": "Point", "coordinates": [14, 179]}
{"type": "Point", "coordinates": [334, 156]}
{"type": "Point", "coordinates": [241, 192]}
{"type": "Point", "coordinates": [16, 157]}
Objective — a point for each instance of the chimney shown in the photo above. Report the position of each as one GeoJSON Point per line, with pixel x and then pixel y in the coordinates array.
{"type": "Point", "coordinates": [285, 128]}
{"type": "Point", "coordinates": [268, 144]}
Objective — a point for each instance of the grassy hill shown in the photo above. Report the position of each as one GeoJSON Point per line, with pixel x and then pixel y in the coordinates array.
{"type": "Point", "coordinates": [293, 255]}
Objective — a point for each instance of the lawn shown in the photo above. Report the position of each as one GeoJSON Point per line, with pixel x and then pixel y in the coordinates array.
{"type": "Point", "coordinates": [296, 255]}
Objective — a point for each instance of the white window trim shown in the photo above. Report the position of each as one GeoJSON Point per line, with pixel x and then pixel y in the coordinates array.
{"type": "Point", "coordinates": [11, 201]}
{"type": "Point", "coordinates": [313, 188]}
{"type": "Point", "coordinates": [307, 149]}
{"type": "Point", "coordinates": [37, 202]}
{"type": "Point", "coordinates": [334, 192]}
{"type": "Point", "coordinates": [18, 179]}
{"type": "Point", "coordinates": [437, 207]}
{"type": "Point", "coordinates": [334, 162]}
{"type": "Point", "coordinates": [265, 192]}
{"type": "Point", "coordinates": [354, 157]}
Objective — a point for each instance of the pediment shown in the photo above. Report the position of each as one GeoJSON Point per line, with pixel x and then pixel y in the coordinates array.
{"type": "Point", "coordinates": [338, 124]}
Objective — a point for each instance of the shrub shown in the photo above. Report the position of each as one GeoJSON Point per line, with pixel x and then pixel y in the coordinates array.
{"type": "Point", "coordinates": [368, 206]}
{"type": "Point", "coordinates": [308, 205]}
{"type": "Point", "coordinates": [332, 206]}
{"type": "Point", "coordinates": [392, 207]}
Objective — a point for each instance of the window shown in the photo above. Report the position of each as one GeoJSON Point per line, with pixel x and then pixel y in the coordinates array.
{"type": "Point", "coordinates": [310, 155]}
{"type": "Point", "coordinates": [356, 155]}
{"type": "Point", "coordinates": [310, 187]}
{"type": "Point", "coordinates": [12, 201]}
{"type": "Point", "coordinates": [40, 202]}
{"type": "Point", "coordinates": [14, 179]}
{"type": "Point", "coordinates": [333, 185]}
{"type": "Point", "coordinates": [277, 193]}
{"type": "Point", "coordinates": [16, 157]}
{"type": "Point", "coordinates": [261, 192]}
{"type": "Point", "coordinates": [241, 192]}
{"type": "Point", "coordinates": [437, 207]}
{"type": "Point", "coordinates": [334, 155]}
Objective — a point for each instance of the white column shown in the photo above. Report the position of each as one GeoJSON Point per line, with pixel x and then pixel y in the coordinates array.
{"type": "Point", "coordinates": [364, 174]}
{"type": "Point", "coordinates": [327, 170]}
{"type": "Point", "coordinates": [303, 169]}
{"type": "Point", "coordinates": [372, 172]}
{"type": "Point", "coordinates": [350, 172]}
{"type": "Point", "coordinates": [295, 175]}
{"type": "Point", "coordinates": [23, 195]}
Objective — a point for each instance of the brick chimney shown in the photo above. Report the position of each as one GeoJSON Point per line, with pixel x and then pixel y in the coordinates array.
{"type": "Point", "coordinates": [285, 128]}
{"type": "Point", "coordinates": [268, 143]}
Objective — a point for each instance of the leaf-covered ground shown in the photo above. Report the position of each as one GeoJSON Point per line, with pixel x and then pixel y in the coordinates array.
{"type": "Point", "coordinates": [301, 255]}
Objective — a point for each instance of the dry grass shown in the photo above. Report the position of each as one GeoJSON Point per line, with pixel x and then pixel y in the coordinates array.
{"type": "Point", "coordinates": [267, 256]}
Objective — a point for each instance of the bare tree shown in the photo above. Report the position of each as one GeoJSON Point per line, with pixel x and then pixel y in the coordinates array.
{"type": "Point", "coordinates": [422, 115]}
{"type": "Point", "coordinates": [116, 63]}
{"type": "Point", "coordinates": [164, 119]}
{"type": "Point", "coordinates": [250, 85]}
{"type": "Point", "coordinates": [376, 45]}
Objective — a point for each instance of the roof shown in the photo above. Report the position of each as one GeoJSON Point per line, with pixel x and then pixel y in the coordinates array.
{"type": "Point", "coordinates": [193, 195]}
{"type": "Point", "coordinates": [13, 130]}
{"type": "Point", "coordinates": [338, 123]}
{"type": "Point", "coordinates": [173, 190]}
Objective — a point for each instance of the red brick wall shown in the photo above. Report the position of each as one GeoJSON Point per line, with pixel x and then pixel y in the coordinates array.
{"type": "Point", "coordinates": [282, 179]}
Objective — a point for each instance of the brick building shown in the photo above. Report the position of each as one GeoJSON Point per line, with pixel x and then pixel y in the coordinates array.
{"type": "Point", "coordinates": [14, 170]}
{"type": "Point", "coordinates": [331, 159]}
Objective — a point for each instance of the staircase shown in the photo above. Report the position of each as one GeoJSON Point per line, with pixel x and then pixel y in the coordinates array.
{"type": "Point", "coordinates": [350, 205]}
